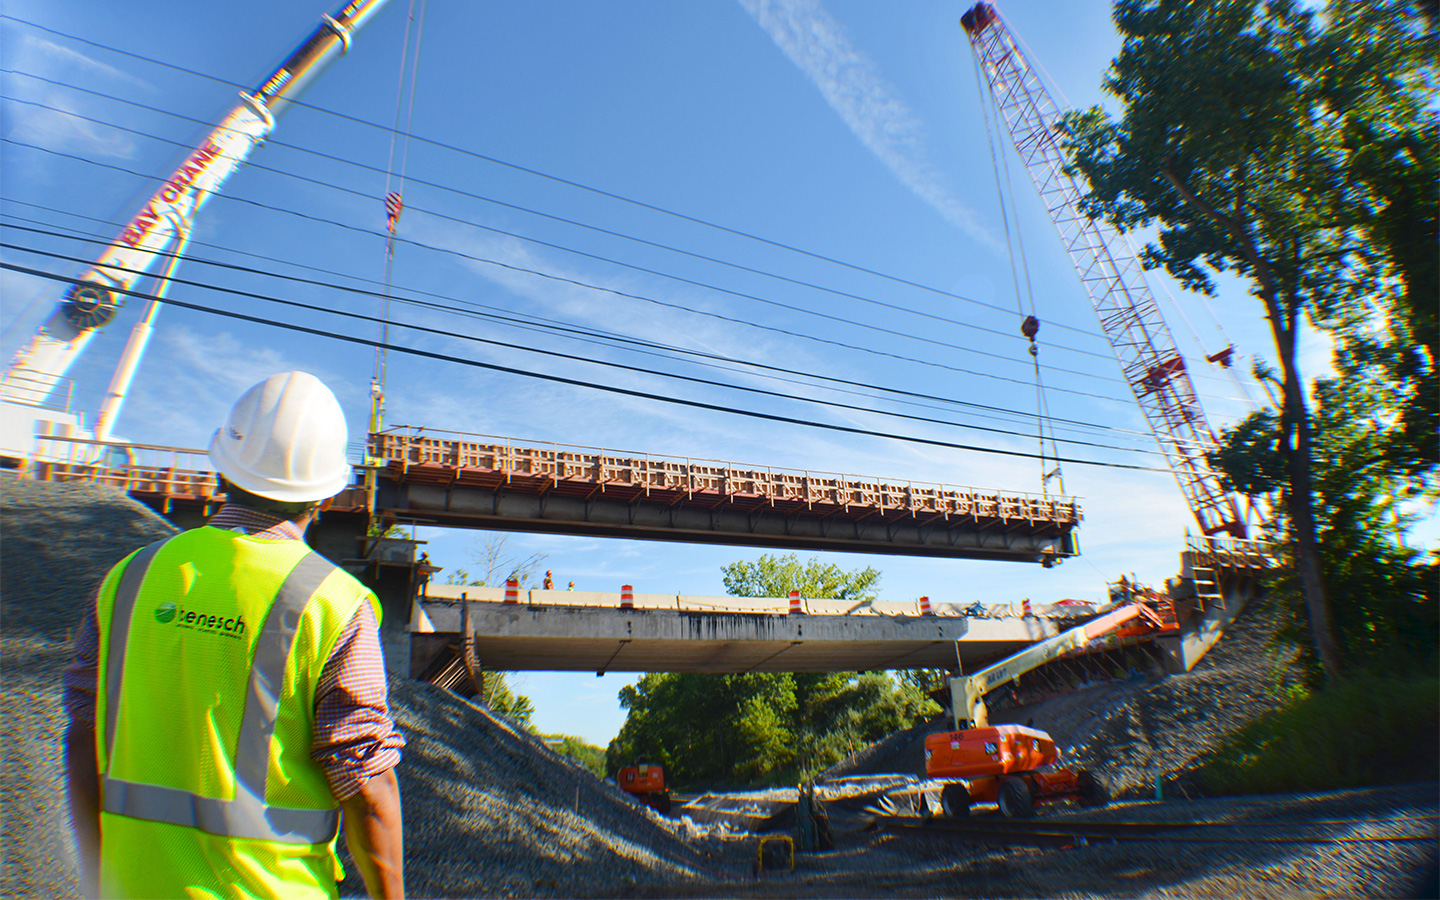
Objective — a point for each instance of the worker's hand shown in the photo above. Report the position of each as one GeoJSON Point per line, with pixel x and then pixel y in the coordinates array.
{"type": "Point", "coordinates": [376, 835]}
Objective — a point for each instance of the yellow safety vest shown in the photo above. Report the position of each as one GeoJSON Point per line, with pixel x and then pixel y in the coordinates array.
{"type": "Point", "coordinates": [211, 646]}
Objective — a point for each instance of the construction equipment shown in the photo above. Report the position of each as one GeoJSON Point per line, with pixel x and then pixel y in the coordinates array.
{"type": "Point", "coordinates": [647, 782]}
{"type": "Point", "coordinates": [159, 231]}
{"type": "Point", "coordinates": [1015, 765]}
{"type": "Point", "coordinates": [1111, 273]}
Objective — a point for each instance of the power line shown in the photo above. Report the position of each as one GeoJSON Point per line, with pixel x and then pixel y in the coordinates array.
{"type": "Point", "coordinates": [569, 356]}
{"type": "Point", "coordinates": [608, 290]}
{"type": "Point", "coordinates": [554, 178]}
{"type": "Point", "coordinates": [582, 253]}
{"type": "Point", "coordinates": [560, 379]}
{"type": "Point", "coordinates": [571, 331]}
{"type": "Point", "coordinates": [587, 188]}
{"type": "Point", "coordinates": [524, 209]}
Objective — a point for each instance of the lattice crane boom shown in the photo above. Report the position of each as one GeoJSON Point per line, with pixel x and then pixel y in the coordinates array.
{"type": "Point", "coordinates": [1111, 274]}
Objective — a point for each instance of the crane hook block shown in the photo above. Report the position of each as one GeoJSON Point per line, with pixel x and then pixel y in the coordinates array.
{"type": "Point", "coordinates": [89, 305]}
{"type": "Point", "coordinates": [1030, 327]}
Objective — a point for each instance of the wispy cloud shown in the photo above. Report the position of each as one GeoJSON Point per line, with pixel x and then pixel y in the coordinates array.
{"type": "Point", "coordinates": [72, 58]}
{"type": "Point", "coordinates": [50, 118]}
{"type": "Point", "coordinates": [853, 87]}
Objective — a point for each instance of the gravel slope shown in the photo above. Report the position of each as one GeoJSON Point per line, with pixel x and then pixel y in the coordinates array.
{"type": "Point", "coordinates": [493, 812]}
{"type": "Point", "coordinates": [56, 543]}
{"type": "Point", "coordinates": [489, 811]}
{"type": "Point", "coordinates": [1130, 731]}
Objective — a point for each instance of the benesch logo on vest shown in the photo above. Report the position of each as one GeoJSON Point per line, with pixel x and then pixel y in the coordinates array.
{"type": "Point", "coordinates": [168, 612]}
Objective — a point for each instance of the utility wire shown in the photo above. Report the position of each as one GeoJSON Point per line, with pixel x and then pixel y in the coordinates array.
{"type": "Point", "coordinates": [638, 203]}
{"type": "Point", "coordinates": [511, 206]}
{"type": "Point", "coordinates": [560, 247]}
{"type": "Point", "coordinates": [568, 330]}
{"type": "Point", "coordinates": [560, 379]}
{"type": "Point", "coordinates": [553, 178]}
{"type": "Point", "coordinates": [1108, 357]}
{"type": "Point", "coordinates": [589, 286]}
{"type": "Point", "coordinates": [567, 356]}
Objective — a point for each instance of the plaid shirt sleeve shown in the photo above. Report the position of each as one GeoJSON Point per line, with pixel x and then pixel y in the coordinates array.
{"type": "Point", "coordinates": [355, 736]}
{"type": "Point", "coordinates": [82, 676]}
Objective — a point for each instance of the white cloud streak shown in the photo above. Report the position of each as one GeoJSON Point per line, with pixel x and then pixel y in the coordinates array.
{"type": "Point", "coordinates": [46, 120]}
{"type": "Point", "coordinates": [848, 80]}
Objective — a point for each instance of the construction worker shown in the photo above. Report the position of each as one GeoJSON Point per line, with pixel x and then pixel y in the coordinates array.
{"type": "Point", "coordinates": [549, 581]}
{"type": "Point", "coordinates": [227, 701]}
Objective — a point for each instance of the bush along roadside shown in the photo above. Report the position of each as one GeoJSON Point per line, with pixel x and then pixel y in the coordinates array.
{"type": "Point", "coordinates": [1367, 730]}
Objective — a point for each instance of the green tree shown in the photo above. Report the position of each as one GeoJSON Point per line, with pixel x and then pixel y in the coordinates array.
{"type": "Point", "coordinates": [777, 576]}
{"type": "Point", "coordinates": [587, 755]}
{"type": "Point", "coordinates": [500, 698]}
{"type": "Point", "coordinates": [1243, 142]}
{"type": "Point", "coordinates": [751, 728]}
{"type": "Point", "coordinates": [1384, 593]}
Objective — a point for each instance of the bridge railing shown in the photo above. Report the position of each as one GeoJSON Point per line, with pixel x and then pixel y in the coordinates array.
{"type": "Point", "coordinates": [1231, 553]}
{"type": "Point", "coordinates": [135, 468]}
{"type": "Point", "coordinates": [411, 446]}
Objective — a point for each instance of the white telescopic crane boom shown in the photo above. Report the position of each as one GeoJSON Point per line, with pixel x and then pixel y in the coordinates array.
{"type": "Point", "coordinates": [164, 221]}
{"type": "Point", "coordinates": [1112, 276]}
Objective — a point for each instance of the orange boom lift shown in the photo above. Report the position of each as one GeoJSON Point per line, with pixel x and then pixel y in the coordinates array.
{"type": "Point", "coordinates": [647, 782]}
{"type": "Point", "coordinates": [1014, 765]}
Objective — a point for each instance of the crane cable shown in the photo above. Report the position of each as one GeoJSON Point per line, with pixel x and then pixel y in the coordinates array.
{"type": "Point", "coordinates": [1030, 324]}
{"type": "Point", "coordinates": [394, 205]}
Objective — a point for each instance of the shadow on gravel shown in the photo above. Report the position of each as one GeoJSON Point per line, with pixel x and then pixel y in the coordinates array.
{"type": "Point", "coordinates": [58, 542]}
{"type": "Point", "coordinates": [491, 811]}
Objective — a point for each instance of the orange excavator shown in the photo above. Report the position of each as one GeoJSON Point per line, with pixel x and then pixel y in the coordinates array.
{"type": "Point", "coordinates": [1014, 765]}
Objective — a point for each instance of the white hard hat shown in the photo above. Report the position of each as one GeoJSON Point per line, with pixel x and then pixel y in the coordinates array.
{"type": "Point", "coordinates": [285, 440]}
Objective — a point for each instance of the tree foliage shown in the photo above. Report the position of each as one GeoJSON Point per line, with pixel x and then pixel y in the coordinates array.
{"type": "Point", "coordinates": [500, 698]}
{"type": "Point", "coordinates": [1293, 147]}
{"type": "Point", "coordinates": [777, 576]}
{"type": "Point", "coordinates": [587, 755]}
{"type": "Point", "coordinates": [495, 562]}
{"type": "Point", "coordinates": [765, 728]}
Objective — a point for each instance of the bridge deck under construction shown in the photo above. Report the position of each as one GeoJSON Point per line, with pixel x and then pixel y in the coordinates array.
{"type": "Point", "coordinates": [472, 481]}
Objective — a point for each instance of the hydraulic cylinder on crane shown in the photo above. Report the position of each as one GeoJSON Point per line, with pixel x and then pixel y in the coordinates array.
{"type": "Point", "coordinates": [160, 230]}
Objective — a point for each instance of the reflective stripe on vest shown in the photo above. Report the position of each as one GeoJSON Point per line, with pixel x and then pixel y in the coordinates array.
{"type": "Point", "coordinates": [246, 816]}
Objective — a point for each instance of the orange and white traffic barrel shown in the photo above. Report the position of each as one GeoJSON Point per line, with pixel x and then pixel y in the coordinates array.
{"type": "Point", "coordinates": [627, 596]}
{"type": "Point", "coordinates": [925, 607]}
{"type": "Point", "coordinates": [1025, 608]}
{"type": "Point", "coordinates": [795, 602]}
{"type": "Point", "coordinates": [512, 590]}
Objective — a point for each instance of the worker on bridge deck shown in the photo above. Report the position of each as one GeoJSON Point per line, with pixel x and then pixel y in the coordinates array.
{"type": "Point", "coordinates": [227, 700]}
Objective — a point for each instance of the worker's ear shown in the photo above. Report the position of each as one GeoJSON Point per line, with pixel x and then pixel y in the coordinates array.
{"type": "Point", "coordinates": [325, 504]}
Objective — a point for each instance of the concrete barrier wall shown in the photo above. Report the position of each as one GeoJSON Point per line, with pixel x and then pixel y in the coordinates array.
{"type": "Point", "coordinates": [750, 605]}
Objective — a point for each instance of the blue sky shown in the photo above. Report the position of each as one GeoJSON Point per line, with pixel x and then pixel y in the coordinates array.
{"type": "Point", "coordinates": [850, 130]}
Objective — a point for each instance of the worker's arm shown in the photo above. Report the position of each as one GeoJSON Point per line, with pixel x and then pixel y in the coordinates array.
{"type": "Point", "coordinates": [84, 790]}
{"type": "Point", "coordinates": [375, 833]}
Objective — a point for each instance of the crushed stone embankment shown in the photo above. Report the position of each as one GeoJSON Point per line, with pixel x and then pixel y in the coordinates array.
{"type": "Point", "coordinates": [58, 542]}
{"type": "Point", "coordinates": [489, 811]}
{"type": "Point", "coordinates": [1131, 731]}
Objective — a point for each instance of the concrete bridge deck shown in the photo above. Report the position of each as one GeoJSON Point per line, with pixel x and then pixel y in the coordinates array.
{"type": "Point", "coordinates": [574, 631]}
